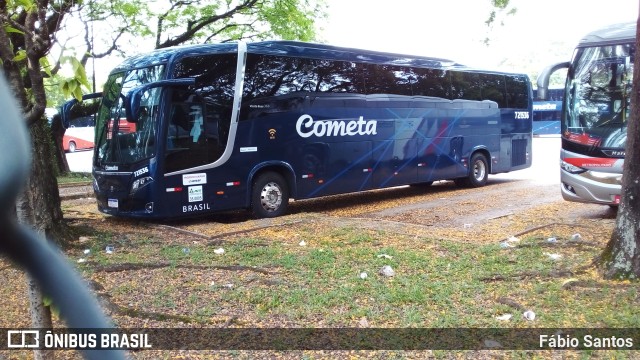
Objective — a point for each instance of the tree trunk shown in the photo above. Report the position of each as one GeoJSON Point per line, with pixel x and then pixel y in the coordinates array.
{"type": "Point", "coordinates": [39, 207]}
{"type": "Point", "coordinates": [621, 257]}
{"type": "Point", "coordinates": [57, 134]}
{"type": "Point", "coordinates": [40, 316]}
{"type": "Point", "coordinates": [39, 204]}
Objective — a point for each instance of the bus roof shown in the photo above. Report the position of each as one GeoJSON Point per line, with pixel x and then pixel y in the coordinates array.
{"type": "Point", "coordinates": [292, 48]}
{"type": "Point", "coordinates": [323, 51]}
{"type": "Point", "coordinates": [612, 34]}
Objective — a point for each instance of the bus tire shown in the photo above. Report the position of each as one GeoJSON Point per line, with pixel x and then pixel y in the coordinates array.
{"type": "Point", "coordinates": [269, 196]}
{"type": "Point", "coordinates": [478, 170]}
{"type": "Point", "coordinates": [72, 146]}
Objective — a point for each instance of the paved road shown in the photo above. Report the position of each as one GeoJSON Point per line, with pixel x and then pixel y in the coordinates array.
{"type": "Point", "coordinates": [80, 161]}
{"type": "Point", "coordinates": [545, 168]}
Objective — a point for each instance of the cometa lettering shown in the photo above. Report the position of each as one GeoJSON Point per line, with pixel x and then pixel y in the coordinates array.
{"type": "Point", "coordinates": [308, 127]}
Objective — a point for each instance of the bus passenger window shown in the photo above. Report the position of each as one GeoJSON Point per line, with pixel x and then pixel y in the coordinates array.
{"type": "Point", "coordinates": [197, 133]}
{"type": "Point", "coordinates": [186, 143]}
{"type": "Point", "coordinates": [196, 119]}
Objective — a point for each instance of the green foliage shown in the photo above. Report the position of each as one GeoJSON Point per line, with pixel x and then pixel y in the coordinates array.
{"type": "Point", "coordinates": [20, 56]}
{"type": "Point", "coordinates": [502, 10]}
{"type": "Point", "coordinates": [500, 4]}
{"type": "Point", "coordinates": [27, 5]}
{"type": "Point", "coordinates": [73, 86]}
{"type": "Point", "coordinates": [48, 301]}
{"type": "Point", "coordinates": [45, 66]}
{"type": "Point", "coordinates": [219, 21]}
{"type": "Point", "coordinates": [290, 19]}
{"type": "Point", "coordinates": [53, 87]}
{"type": "Point", "coordinates": [167, 24]}
{"type": "Point", "coordinates": [10, 29]}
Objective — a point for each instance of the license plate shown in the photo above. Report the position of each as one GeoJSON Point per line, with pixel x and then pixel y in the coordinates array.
{"type": "Point", "coordinates": [112, 203]}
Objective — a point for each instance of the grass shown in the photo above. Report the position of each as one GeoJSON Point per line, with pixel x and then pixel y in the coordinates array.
{"type": "Point", "coordinates": [444, 284]}
{"type": "Point", "coordinates": [74, 177]}
{"type": "Point", "coordinates": [266, 278]}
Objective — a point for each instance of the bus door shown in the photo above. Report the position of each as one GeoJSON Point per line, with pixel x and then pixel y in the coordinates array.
{"type": "Point", "coordinates": [196, 135]}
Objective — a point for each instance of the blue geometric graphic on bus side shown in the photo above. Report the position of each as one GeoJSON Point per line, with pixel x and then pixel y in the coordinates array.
{"type": "Point", "coordinates": [377, 163]}
{"type": "Point", "coordinates": [434, 142]}
{"type": "Point", "coordinates": [407, 162]}
{"type": "Point", "coordinates": [364, 157]}
{"type": "Point", "coordinates": [439, 150]}
{"type": "Point", "coordinates": [369, 155]}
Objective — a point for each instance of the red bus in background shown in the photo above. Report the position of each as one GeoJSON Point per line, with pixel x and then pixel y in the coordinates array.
{"type": "Point", "coordinates": [80, 134]}
{"type": "Point", "coordinates": [124, 127]}
{"type": "Point", "coordinates": [78, 138]}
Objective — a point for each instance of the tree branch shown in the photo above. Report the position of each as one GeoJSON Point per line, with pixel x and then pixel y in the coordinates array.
{"type": "Point", "coordinates": [36, 48]}
{"type": "Point", "coordinates": [246, 4]}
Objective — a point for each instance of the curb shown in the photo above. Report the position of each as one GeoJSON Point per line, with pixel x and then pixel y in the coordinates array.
{"type": "Point", "coordinates": [75, 190]}
{"type": "Point", "coordinates": [76, 196]}
{"type": "Point", "coordinates": [72, 184]}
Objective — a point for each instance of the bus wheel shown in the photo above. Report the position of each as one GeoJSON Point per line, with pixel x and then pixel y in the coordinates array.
{"type": "Point", "coordinates": [72, 146]}
{"type": "Point", "coordinates": [269, 196]}
{"type": "Point", "coordinates": [478, 172]}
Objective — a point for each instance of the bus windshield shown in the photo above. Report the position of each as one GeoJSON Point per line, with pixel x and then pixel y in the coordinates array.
{"type": "Point", "coordinates": [598, 97]}
{"type": "Point", "coordinates": [117, 140]}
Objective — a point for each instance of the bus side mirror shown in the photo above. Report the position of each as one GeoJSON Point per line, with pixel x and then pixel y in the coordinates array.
{"type": "Point", "coordinates": [134, 97]}
{"type": "Point", "coordinates": [543, 78]}
{"type": "Point", "coordinates": [65, 109]}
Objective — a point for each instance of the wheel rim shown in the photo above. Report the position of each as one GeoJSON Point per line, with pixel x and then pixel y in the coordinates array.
{"type": "Point", "coordinates": [271, 196]}
{"type": "Point", "coordinates": [479, 170]}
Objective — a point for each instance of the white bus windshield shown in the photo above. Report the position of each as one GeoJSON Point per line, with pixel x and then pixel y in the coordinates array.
{"type": "Point", "coordinates": [117, 140]}
{"type": "Point", "coordinates": [598, 96]}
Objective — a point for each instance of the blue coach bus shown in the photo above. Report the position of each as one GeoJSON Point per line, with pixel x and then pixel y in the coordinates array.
{"type": "Point", "coordinates": [253, 125]}
{"type": "Point", "coordinates": [547, 113]}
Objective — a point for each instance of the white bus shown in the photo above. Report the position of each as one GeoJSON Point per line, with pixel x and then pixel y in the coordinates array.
{"type": "Point", "coordinates": [595, 114]}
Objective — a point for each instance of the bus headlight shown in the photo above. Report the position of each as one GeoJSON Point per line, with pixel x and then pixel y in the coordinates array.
{"type": "Point", "coordinates": [571, 168]}
{"type": "Point", "coordinates": [140, 183]}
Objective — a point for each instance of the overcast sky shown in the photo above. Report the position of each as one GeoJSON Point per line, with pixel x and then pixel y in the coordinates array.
{"type": "Point", "coordinates": [546, 30]}
{"type": "Point", "coordinates": [540, 33]}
